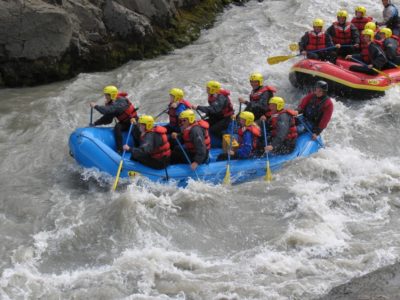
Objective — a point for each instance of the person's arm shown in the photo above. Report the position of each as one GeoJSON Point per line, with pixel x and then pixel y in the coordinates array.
{"type": "Point", "coordinates": [151, 141]}
{"type": "Point", "coordinates": [197, 136]}
{"type": "Point", "coordinates": [327, 111]}
{"type": "Point", "coordinates": [328, 41]}
{"type": "Point", "coordinates": [246, 145]}
{"type": "Point", "coordinates": [114, 109]}
{"type": "Point", "coordinates": [104, 120]}
{"type": "Point", "coordinates": [215, 107]}
{"type": "Point", "coordinates": [303, 42]}
{"type": "Point", "coordinates": [261, 104]}
{"type": "Point", "coordinates": [303, 103]}
{"type": "Point", "coordinates": [378, 56]}
{"type": "Point", "coordinates": [355, 35]}
{"type": "Point", "coordinates": [330, 31]}
{"type": "Point", "coordinates": [282, 130]}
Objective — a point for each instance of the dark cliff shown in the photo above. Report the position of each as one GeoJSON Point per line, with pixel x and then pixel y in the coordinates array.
{"type": "Point", "coordinates": [43, 41]}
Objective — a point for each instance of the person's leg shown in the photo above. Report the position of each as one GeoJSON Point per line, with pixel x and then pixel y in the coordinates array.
{"type": "Point", "coordinates": [177, 156]}
{"type": "Point", "coordinates": [118, 136]}
{"type": "Point", "coordinates": [217, 128]}
{"type": "Point", "coordinates": [362, 69]}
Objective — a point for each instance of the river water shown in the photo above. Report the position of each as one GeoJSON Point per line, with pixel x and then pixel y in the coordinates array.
{"type": "Point", "coordinates": [319, 223]}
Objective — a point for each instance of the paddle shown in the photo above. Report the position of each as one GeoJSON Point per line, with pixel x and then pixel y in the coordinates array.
{"type": "Point", "coordinates": [278, 59]}
{"type": "Point", "coordinates": [227, 178]}
{"type": "Point", "coordinates": [294, 47]}
{"type": "Point", "coordinates": [268, 174]}
{"type": "Point", "coordinates": [299, 117]}
{"type": "Point", "coordinates": [375, 69]}
{"type": "Point", "coordinates": [122, 160]}
{"type": "Point", "coordinates": [393, 64]}
{"type": "Point", "coordinates": [163, 112]}
{"type": "Point", "coordinates": [186, 156]}
{"type": "Point", "coordinates": [91, 117]}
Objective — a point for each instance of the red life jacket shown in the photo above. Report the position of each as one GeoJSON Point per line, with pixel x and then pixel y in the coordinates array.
{"type": "Point", "coordinates": [316, 40]}
{"type": "Point", "coordinates": [292, 134]}
{"type": "Point", "coordinates": [360, 22]}
{"type": "Point", "coordinates": [256, 95]}
{"type": "Point", "coordinates": [227, 111]}
{"type": "Point", "coordinates": [164, 150]}
{"type": "Point", "coordinates": [128, 113]}
{"type": "Point", "coordinates": [255, 131]}
{"type": "Point", "coordinates": [342, 34]}
{"type": "Point", "coordinates": [186, 136]}
{"type": "Point", "coordinates": [364, 51]}
{"type": "Point", "coordinates": [173, 117]}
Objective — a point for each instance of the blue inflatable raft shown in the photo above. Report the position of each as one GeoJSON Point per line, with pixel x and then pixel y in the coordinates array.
{"type": "Point", "coordinates": [94, 147]}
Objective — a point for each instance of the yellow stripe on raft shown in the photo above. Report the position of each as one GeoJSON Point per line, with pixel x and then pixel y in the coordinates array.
{"type": "Point", "coordinates": [345, 82]}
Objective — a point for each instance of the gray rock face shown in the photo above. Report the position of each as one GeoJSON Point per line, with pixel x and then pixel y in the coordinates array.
{"type": "Point", "coordinates": [32, 29]}
{"type": "Point", "coordinates": [48, 40]}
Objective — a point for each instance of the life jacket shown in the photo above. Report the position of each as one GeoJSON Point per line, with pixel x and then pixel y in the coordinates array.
{"type": "Point", "coordinates": [342, 34]}
{"type": "Point", "coordinates": [256, 95]}
{"type": "Point", "coordinates": [164, 150]}
{"type": "Point", "coordinates": [173, 117]}
{"type": "Point", "coordinates": [227, 110]}
{"type": "Point", "coordinates": [186, 136]}
{"type": "Point", "coordinates": [360, 22]}
{"type": "Point", "coordinates": [255, 131]}
{"type": "Point", "coordinates": [292, 134]}
{"type": "Point", "coordinates": [316, 40]}
{"type": "Point", "coordinates": [313, 111]}
{"type": "Point", "coordinates": [128, 113]}
{"type": "Point", "coordinates": [364, 52]}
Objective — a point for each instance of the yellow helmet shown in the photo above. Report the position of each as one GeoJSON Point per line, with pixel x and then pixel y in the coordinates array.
{"type": "Point", "coordinates": [111, 90]}
{"type": "Point", "coordinates": [370, 25]}
{"type": "Point", "coordinates": [147, 120]}
{"type": "Point", "coordinates": [318, 23]}
{"type": "Point", "coordinates": [342, 14]}
{"type": "Point", "coordinates": [280, 103]}
{"type": "Point", "coordinates": [247, 116]}
{"type": "Point", "coordinates": [177, 93]}
{"type": "Point", "coordinates": [189, 115]}
{"type": "Point", "coordinates": [257, 77]}
{"type": "Point", "coordinates": [361, 9]}
{"type": "Point", "coordinates": [213, 86]}
{"type": "Point", "coordinates": [368, 32]}
{"type": "Point", "coordinates": [387, 32]}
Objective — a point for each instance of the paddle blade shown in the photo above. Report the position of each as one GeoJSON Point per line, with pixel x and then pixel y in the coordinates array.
{"type": "Point", "coordinates": [117, 177]}
{"type": "Point", "coordinates": [268, 174]}
{"type": "Point", "coordinates": [294, 47]}
{"type": "Point", "coordinates": [278, 59]}
{"type": "Point", "coordinates": [227, 178]}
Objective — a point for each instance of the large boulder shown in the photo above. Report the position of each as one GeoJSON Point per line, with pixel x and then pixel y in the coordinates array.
{"type": "Point", "coordinates": [47, 40]}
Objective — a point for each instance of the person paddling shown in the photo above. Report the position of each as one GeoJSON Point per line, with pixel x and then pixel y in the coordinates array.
{"type": "Point", "coordinates": [317, 110]}
{"type": "Point", "coordinates": [118, 106]}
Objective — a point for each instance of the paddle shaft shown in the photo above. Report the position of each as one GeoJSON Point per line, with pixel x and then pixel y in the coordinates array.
{"type": "Point", "coordinates": [227, 178]}
{"type": "Point", "coordinates": [309, 130]}
{"type": "Point", "coordinates": [268, 171]}
{"type": "Point", "coordinates": [163, 112]}
{"type": "Point", "coordinates": [186, 156]}
{"type": "Point", "coordinates": [122, 159]}
{"type": "Point", "coordinates": [91, 117]}
{"type": "Point", "coordinates": [375, 69]}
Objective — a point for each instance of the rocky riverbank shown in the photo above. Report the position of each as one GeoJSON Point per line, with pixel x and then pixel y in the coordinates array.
{"type": "Point", "coordinates": [43, 41]}
{"type": "Point", "coordinates": [382, 284]}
